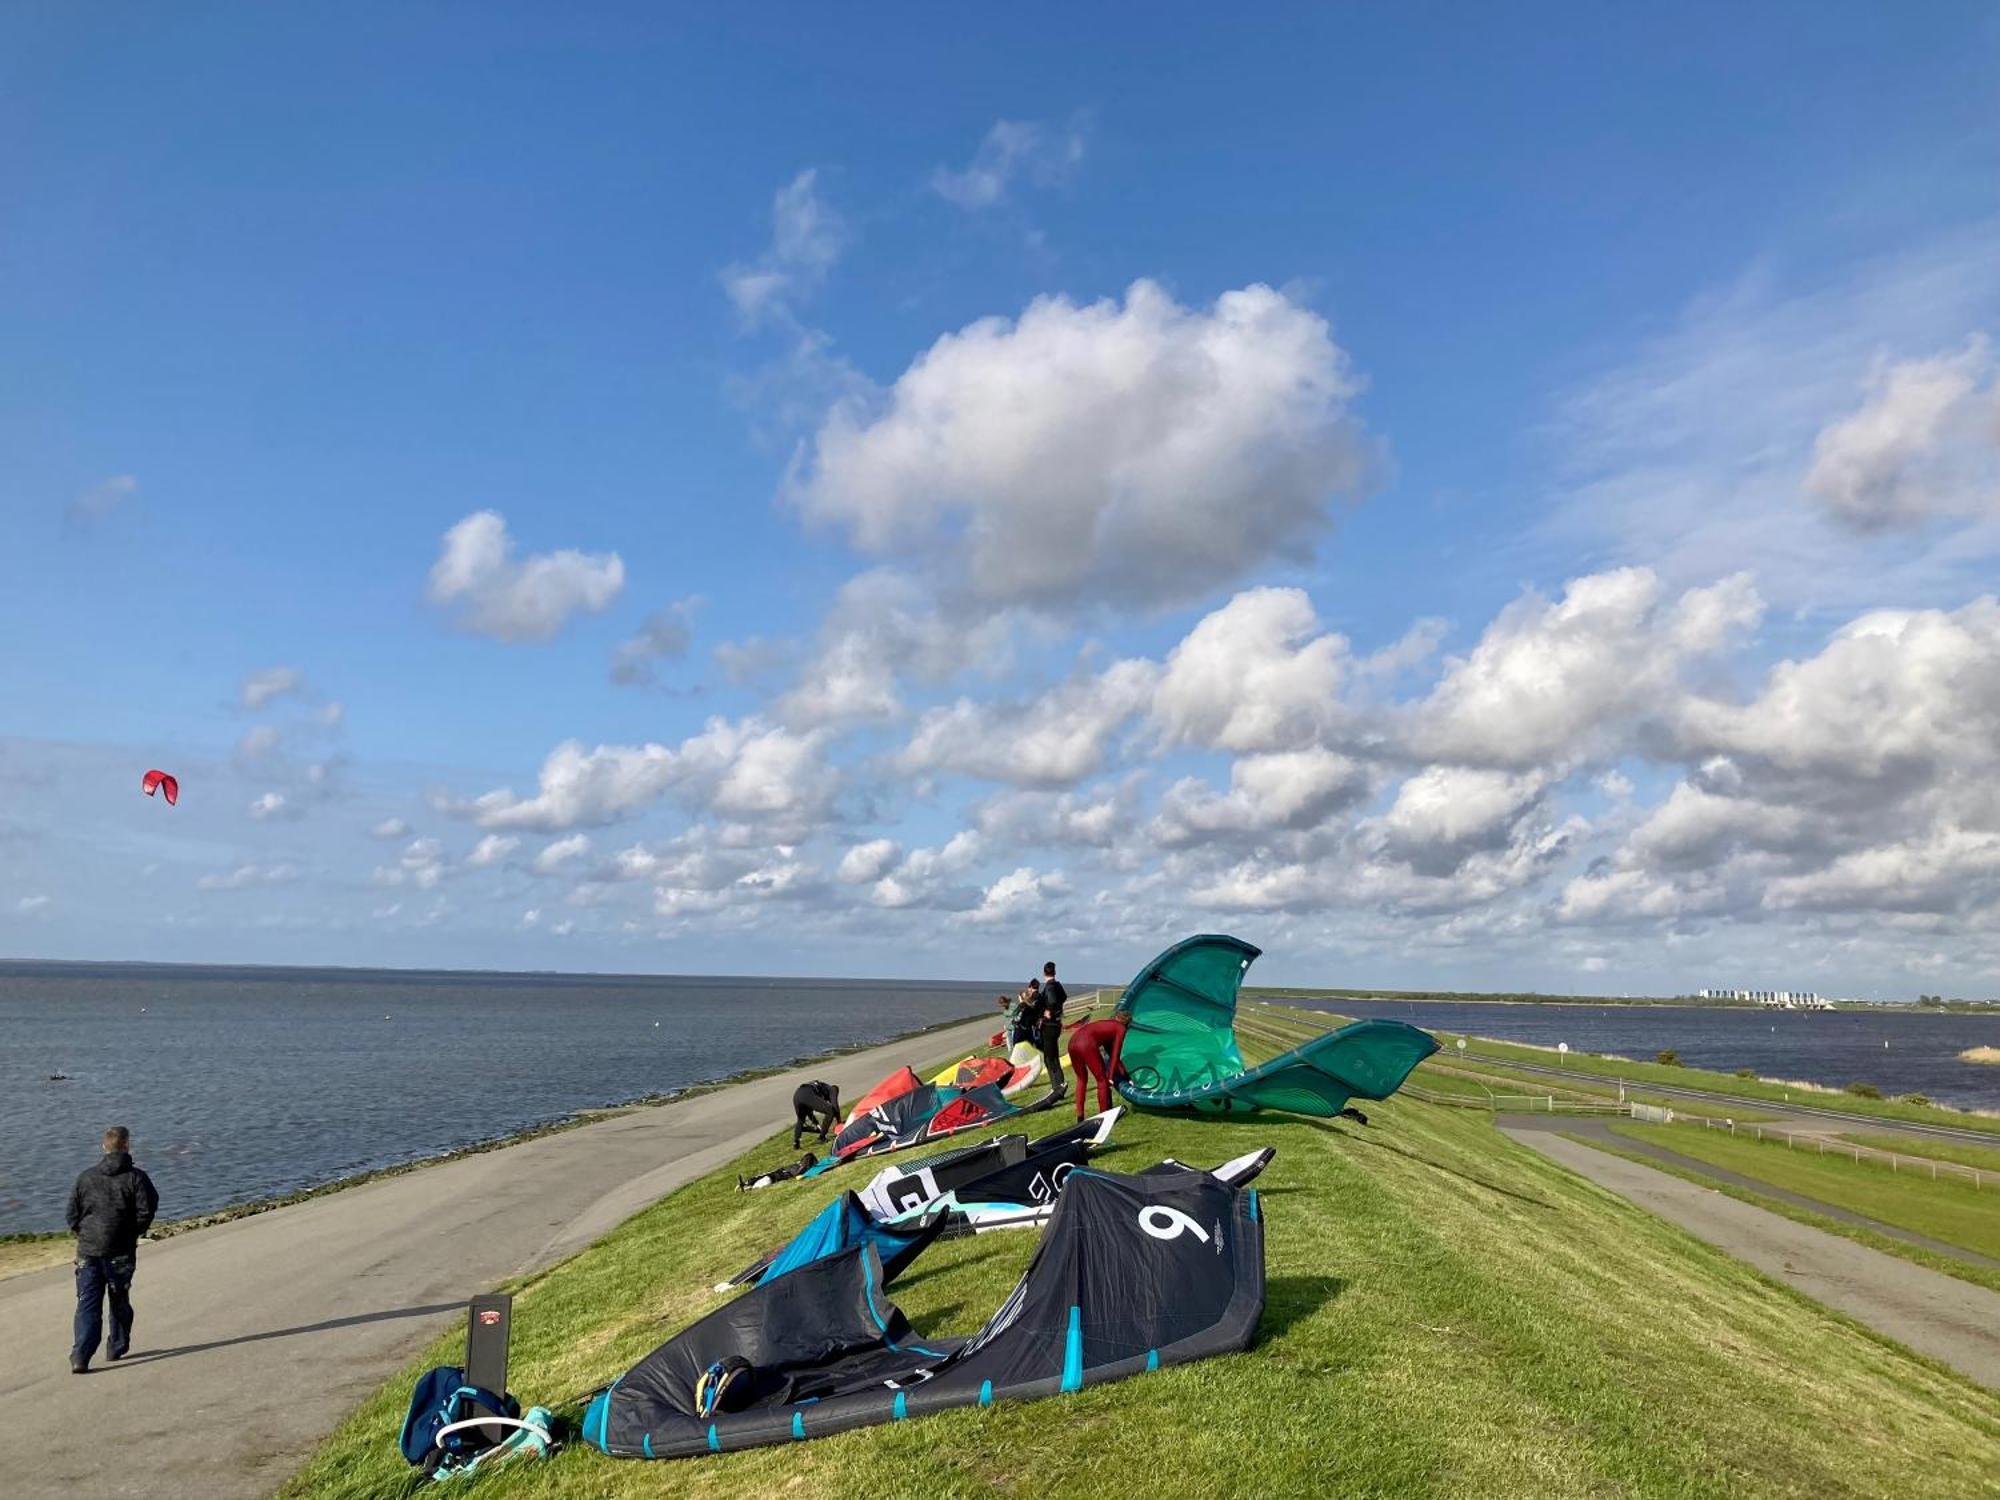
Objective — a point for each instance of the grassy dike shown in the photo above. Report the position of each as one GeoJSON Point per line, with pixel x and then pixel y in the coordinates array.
{"type": "Point", "coordinates": [1946, 1208]}
{"type": "Point", "coordinates": [1448, 1314]}
{"type": "Point", "coordinates": [1753, 1090]}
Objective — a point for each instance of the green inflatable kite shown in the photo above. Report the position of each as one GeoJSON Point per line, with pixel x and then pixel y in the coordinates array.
{"type": "Point", "coordinates": [1180, 1049]}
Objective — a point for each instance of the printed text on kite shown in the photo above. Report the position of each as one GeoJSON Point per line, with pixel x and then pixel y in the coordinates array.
{"type": "Point", "coordinates": [160, 781]}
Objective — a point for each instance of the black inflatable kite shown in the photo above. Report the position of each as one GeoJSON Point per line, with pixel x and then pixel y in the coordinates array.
{"type": "Point", "coordinates": [1132, 1273]}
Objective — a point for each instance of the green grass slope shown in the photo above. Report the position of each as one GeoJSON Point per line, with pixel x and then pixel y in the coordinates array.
{"type": "Point", "coordinates": [1483, 1051]}
{"type": "Point", "coordinates": [1448, 1315]}
{"type": "Point", "coordinates": [1948, 1208]}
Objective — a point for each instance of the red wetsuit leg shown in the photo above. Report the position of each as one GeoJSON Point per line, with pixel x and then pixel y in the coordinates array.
{"type": "Point", "coordinates": [1084, 1064]}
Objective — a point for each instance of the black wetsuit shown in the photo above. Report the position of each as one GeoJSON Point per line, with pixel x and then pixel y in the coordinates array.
{"type": "Point", "coordinates": [1048, 1035]}
{"type": "Point", "coordinates": [816, 1106]}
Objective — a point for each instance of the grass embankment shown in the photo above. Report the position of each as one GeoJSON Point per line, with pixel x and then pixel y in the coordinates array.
{"type": "Point", "coordinates": [1482, 1050]}
{"type": "Point", "coordinates": [1947, 1208]}
{"type": "Point", "coordinates": [1984, 1158]}
{"type": "Point", "coordinates": [32, 1252]}
{"type": "Point", "coordinates": [1475, 1076]}
{"type": "Point", "coordinates": [1448, 1314]}
{"type": "Point", "coordinates": [1693, 1171]}
{"type": "Point", "coordinates": [1489, 997]}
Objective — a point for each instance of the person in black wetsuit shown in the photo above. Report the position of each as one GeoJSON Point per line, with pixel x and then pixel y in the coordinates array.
{"type": "Point", "coordinates": [1048, 1035]}
{"type": "Point", "coordinates": [815, 1106]}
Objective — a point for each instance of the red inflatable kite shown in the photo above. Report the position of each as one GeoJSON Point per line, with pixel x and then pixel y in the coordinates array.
{"type": "Point", "coordinates": [160, 781]}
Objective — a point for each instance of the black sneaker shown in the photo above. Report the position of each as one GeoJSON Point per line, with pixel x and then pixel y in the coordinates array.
{"type": "Point", "coordinates": [114, 1358]}
{"type": "Point", "coordinates": [79, 1366]}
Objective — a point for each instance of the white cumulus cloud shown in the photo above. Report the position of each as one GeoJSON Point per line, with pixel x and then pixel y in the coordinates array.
{"type": "Point", "coordinates": [555, 855]}
{"type": "Point", "coordinates": [493, 593]}
{"type": "Point", "coordinates": [868, 862]}
{"type": "Point", "coordinates": [491, 850]}
{"type": "Point", "coordinates": [1926, 442]}
{"type": "Point", "coordinates": [1257, 674]}
{"type": "Point", "coordinates": [1140, 453]}
{"type": "Point", "coordinates": [1056, 741]}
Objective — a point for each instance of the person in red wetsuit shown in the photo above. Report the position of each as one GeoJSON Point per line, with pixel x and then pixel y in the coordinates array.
{"type": "Point", "coordinates": [1093, 1053]}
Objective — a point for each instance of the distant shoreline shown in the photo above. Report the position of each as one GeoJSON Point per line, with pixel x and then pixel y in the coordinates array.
{"type": "Point", "coordinates": [125, 967]}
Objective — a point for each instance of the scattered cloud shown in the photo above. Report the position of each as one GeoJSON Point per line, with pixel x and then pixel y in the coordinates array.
{"type": "Point", "coordinates": [101, 501]}
{"type": "Point", "coordinates": [390, 828]}
{"type": "Point", "coordinates": [746, 769]}
{"type": "Point", "coordinates": [248, 875]}
{"type": "Point", "coordinates": [1017, 893]}
{"type": "Point", "coordinates": [1925, 443]}
{"type": "Point", "coordinates": [259, 742]}
{"type": "Point", "coordinates": [421, 865]}
{"type": "Point", "coordinates": [27, 906]}
{"type": "Point", "coordinates": [491, 850]}
{"type": "Point", "coordinates": [1057, 741]}
{"type": "Point", "coordinates": [1688, 456]}
{"type": "Point", "coordinates": [1291, 790]}
{"type": "Point", "coordinates": [270, 805]}
{"type": "Point", "coordinates": [262, 688]}
{"type": "Point", "coordinates": [1011, 150]}
{"type": "Point", "coordinates": [868, 862]}
{"type": "Point", "coordinates": [1566, 679]}
{"type": "Point", "coordinates": [663, 636]}
{"type": "Point", "coordinates": [492, 593]}
{"type": "Point", "coordinates": [807, 237]}
{"type": "Point", "coordinates": [560, 852]}
{"type": "Point", "coordinates": [881, 632]}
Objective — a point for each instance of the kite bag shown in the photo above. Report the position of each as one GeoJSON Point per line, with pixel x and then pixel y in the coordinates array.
{"type": "Point", "coordinates": [442, 1400]}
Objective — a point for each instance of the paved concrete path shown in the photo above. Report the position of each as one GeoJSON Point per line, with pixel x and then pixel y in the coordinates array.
{"type": "Point", "coordinates": [1952, 1321]}
{"type": "Point", "coordinates": [253, 1338]}
{"type": "Point", "coordinates": [1598, 1133]}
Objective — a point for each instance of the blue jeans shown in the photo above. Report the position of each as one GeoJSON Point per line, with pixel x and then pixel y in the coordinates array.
{"type": "Point", "coordinates": [99, 1276]}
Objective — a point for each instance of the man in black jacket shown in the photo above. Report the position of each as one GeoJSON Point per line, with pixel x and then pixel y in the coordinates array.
{"type": "Point", "coordinates": [1049, 1034]}
{"type": "Point", "coordinates": [110, 1208]}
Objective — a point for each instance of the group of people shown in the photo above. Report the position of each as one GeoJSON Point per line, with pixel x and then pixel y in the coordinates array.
{"type": "Point", "coordinates": [1036, 1015]}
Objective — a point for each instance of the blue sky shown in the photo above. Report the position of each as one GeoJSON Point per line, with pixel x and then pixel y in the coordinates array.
{"type": "Point", "coordinates": [1577, 426]}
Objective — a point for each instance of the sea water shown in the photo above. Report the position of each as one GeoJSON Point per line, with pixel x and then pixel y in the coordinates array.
{"type": "Point", "coordinates": [1899, 1051]}
{"type": "Point", "coordinates": [240, 1084]}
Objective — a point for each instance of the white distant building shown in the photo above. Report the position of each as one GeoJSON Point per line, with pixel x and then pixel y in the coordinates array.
{"type": "Point", "coordinates": [1771, 999]}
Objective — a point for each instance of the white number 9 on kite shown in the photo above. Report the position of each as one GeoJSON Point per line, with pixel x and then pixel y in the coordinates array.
{"type": "Point", "coordinates": [1164, 1223]}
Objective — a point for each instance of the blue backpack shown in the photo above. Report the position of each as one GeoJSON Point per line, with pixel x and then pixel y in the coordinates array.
{"type": "Point", "coordinates": [441, 1398]}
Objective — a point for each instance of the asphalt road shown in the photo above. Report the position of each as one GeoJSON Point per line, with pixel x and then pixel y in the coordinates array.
{"type": "Point", "coordinates": [1952, 1321]}
{"type": "Point", "coordinates": [1597, 1132]}
{"type": "Point", "coordinates": [252, 1339]}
